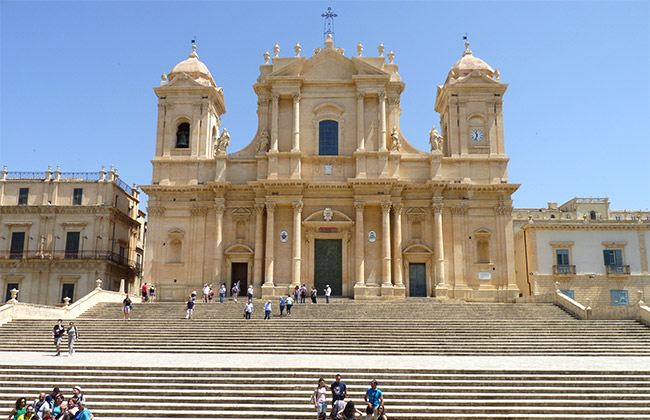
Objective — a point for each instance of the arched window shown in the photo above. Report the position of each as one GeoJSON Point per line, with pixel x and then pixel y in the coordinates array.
{"type": "Point", "coordinates": [328, 138]}
{"type": "Point", "coordinates": [592, 215]}
{"type": "Point", "coordinates": [183, 136]}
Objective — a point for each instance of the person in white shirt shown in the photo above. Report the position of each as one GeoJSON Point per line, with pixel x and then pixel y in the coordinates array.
{"type": "Point", "coordinates": [328, 292]}
{"type": "Point", "coordinates": [267, 310]}
{"type": "Point", "coordinates": [289, 304]}
{"type": "Point", "coordinates": [248, 309]}
{"type": "Point", "coordinates": [206, 292]}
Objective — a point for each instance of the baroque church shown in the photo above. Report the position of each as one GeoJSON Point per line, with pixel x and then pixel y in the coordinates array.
{"type": "Point", "coordinates": [329, 191]}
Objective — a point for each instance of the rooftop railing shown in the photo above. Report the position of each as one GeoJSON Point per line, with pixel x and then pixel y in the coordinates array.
{"type": "Point", "coordinates": [26, 175]}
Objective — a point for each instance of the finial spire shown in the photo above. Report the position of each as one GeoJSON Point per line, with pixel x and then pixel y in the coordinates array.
{"type": "Point", "coordinates": [467, 50]}
{"type": "Point", "coordinates": [193, 54]}
{"type": "Point", "coordinates": [328, 27]}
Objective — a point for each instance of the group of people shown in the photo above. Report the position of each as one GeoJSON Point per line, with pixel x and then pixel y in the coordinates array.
{"type": "Point", "coordinates": [52, 406]}
{"type": "Point", "coordinates": [148, 293]}
{"type": "Point", "coordinates": [300, 292]}
{"type": "Point", "coordinates": [208, 293]}
{"type": "Point", "coordinates": [346, 410]}
{"type": "Point", "coordinates": [59, 331]}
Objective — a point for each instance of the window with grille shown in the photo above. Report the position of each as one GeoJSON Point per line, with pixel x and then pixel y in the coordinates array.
{"type": "Point", "coordinates": [328, 138]}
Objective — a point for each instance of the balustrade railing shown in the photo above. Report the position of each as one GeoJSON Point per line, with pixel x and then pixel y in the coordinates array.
{"type": "Point", "coordinates": [82, 176]}
{"type": "Point", "coordinates": [618, 269]}
{"type": "Point", "coordinates": [26, 175]}
{"type": "Point", "coordinates": [124, 186]}
{"type": "Point", "coordinates": [564, 269]}
{"type": "Point", "coordinates": [70, 255]}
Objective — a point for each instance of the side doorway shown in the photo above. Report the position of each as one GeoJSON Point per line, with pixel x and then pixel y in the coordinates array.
{"type": "Point", "coordinates": [239, 273]}
{"type": "Point", "coordinates": [417, 280]}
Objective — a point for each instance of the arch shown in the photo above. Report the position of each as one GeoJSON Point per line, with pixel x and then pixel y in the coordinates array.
{"type": "Point", "coordinates": [239, 249]}
{"type": "Point", "coordinates": [183, 135]}
{"type": "Point", "coordinates": [592, 215]}
{"type": "Point", "coordinates": [328, 107]}
{"type": "Point", "coordinates": [418, 249]}
{"type": "Point", "coordinates": [476, 119]}
{"type": "Point", "coordinates": [337, 215]}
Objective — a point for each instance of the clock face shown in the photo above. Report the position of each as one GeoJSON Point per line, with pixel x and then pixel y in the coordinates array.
{"type": "Point", "coordinates": [476, 135]}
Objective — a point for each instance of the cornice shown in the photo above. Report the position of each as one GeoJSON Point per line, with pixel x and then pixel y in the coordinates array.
{"type": "Point", "coordinates": [573, 225]}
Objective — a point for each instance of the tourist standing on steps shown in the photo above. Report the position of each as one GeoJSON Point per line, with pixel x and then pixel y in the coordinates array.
{"type": "Point", "coordinates": [374, 398]}
{"type": "Point", "coordinates": [152, 294]}
{"type": "Point", "coordinates": [234, 292]}
{"type": "Point", "coordinates": [249, 292]}
{"type": "Point", "coordinates": [57, 335]}
{"type": "Point", "coordinates": [211, 294]}
{"type": "Point", "coordinates": [190, 308]}
{"type": "Point", "coordinates": [206, 292]}
{"type": "Point", "coordinates": [328, 292]}
{"type": "Point", "coordinates": [313, 294]}
{"type": "Point", "coordinates": [73, 336]}
{"type": "Point", "coordinates": [289, 304]}
{"type": "Point", "coordinates": [303, 293]}
{"type": "Point", "coordinates": [222, 292]}
{"type": "Point", "coordinates": [126, 308]}
{"type": "Point", "coordinates": [145, 289]}
{"type": "Point", "coordinates": [248, 309]}
{"type": "Point", "coordinates": [296, 294]}
{"type": "Point", "coordinates": [267, 310]}
{"type": "Point", "coordinates": [339, 389]}
{"type": "Point", "coordinates": [320, 398]}
{"type": "Point", "coordinates": [282, 303]}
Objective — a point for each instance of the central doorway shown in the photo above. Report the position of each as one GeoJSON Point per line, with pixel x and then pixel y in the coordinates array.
{"type": "Point", "coordinates": [417, 280]}
{"type": "Point", "coordinates": [328, 265]}
{"type": "Point", "coordinates": [240, 274]}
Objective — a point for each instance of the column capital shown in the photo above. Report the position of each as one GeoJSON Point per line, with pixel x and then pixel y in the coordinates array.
{"type": "Point", "coordinates": [275, 96]}
{"type": "Point", "coordinates": [219, 207]}
{"type": "Point", "coordinates": [459, 209]}
{"type": "Point", "coordinates": [199, 210]}
{"type": "Point", "coordinates": [297, 206]}
{"type": "Point", "coordinates": [382, 96]}
{"type": "Point", "coordinates": [361, 96]}
{"type": "Point", "coordinates": [359, 205]}
{"type": "Point", "coordinates": [270, 206]}
{"type": "Point", "coordinates": [398, 207]}
{"type": "Point", "coordinates": [503, 210]}
{"type": "Point", "coordinates": [385, 206]}
{"type": "Point", "coordinates": [295, 96]}
{"type": "Point", "coordinates": [259, 207]}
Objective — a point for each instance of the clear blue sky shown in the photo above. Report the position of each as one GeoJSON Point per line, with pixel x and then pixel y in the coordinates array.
{"type": "Point", "coordinates": [77, 78]}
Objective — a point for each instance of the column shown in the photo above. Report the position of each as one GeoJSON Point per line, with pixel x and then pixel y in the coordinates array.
{"type": "Point", "coordinates": [270, 223]}
{"type": "Point", "coordinates": [275, 98]}
{"type": "Point", "coordinates": [296, 122]}
{"type": "Point", "coordinates": [259, 243]}
{"type": "Point", "coordinates": [439, 243]}
{"type": "Point", "coordinates": [385, 242]}
{"type": "Point", "coordinates": [218, 242]}
{"type": "Point", "coordinates": [361, 141]}
{"type": "Point", "coordinates": [359, 244]}
{"type": "Point", "coordinates": [397, 243]}
{"type": "Point", "coordinates": [297, 242]}
{"type": "Point", "coordinates": [382, 122]}
{"type": "Point", "coordinates": [458, 211]}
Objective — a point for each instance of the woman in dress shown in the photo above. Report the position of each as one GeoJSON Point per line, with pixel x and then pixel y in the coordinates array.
{"type": "Point", "coordinates": [320, 398]}
{"type": "Point", "coordinates": [73, 335]}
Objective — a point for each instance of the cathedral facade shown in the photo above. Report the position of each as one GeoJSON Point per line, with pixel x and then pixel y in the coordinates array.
{"type": "Point", "coordinates": [329, 191]}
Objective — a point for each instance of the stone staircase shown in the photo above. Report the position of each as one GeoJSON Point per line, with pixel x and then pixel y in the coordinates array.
{"type": "Point", "coordinates": [414, 328]}
{"type": "Point", "coordinates": [129, 393]}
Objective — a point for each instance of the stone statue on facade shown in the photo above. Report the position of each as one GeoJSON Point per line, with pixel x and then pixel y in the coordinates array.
{"type": "Point", "coordinates": [395, 141]}
{"type": "Point", "coordinates": [435, 140]}
{"type": "Point", "coordinates": [263, 143]}
{"type": "Point", "coordinates": [222, 142]}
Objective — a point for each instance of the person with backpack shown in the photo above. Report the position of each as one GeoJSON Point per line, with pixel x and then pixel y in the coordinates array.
{"type": "Point", "coordinates": [374, 399]}
{"type": "Point", "coordinates": [320, 398]}
{"type": "Point", "coordinates": [190, 308]}
{"type": "Point", "coordinates": [282, 303]}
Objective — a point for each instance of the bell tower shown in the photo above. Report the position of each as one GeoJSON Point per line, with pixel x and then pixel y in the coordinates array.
{"type": "Point", "coordinates": [471, 119]}
{"type": "Point", "coordinates": [190, 106]}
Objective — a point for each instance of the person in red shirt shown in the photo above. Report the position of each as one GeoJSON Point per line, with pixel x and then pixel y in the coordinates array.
{"type": "Point", "coordinates": [145, 289]}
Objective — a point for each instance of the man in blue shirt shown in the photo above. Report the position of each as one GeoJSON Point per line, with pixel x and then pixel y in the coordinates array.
{"type": "Point", "coordinates": [374, 398]}
{"type": "Point", "coordinates": [339, 389]}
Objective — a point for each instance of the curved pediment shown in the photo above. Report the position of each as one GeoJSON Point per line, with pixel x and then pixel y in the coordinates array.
{"type": "Point", "coordinates": [323, 215]}
{"type": "Point", "coordinates": [418, 249]}
{"type": "Point", "coordinates": [328, 106]}
{"type": "Point", "coordinates": [239, 249]}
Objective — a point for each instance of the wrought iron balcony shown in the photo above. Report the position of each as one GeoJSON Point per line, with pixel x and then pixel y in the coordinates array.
{"type": "Point", "coordinates": [71, 255]}
{"type": "Point", "coordinates": [618, 269]}
{"type": "Point", "coordinates": [564, 270]}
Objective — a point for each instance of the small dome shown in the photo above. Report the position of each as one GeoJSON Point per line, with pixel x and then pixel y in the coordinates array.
{"type": "Point", "coordinates": [469, 63]}
{"type": "Point", "coordinates": [193, 68]}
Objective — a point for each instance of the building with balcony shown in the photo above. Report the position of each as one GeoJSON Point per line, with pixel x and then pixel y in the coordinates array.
{"type": "Point", "coordinates": [585, 249]}
{"type": "Point", "coordinates": [60, 231]}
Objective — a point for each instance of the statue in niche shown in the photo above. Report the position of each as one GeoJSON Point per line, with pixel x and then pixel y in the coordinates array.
{"type": "Point", "coordinates": [263, 143]}
{"type": "Point", "coordinates": [435, 140]}
{"type": "Point", "coordinates": [395, 141]}
{"type": "Point", "coordinates": [222, 142]}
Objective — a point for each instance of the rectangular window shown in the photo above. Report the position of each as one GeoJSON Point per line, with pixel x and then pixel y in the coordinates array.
{"type": "Point", "coordinates": [67, 290]}
{"type": "Point", "coordinates": [72, 245]}
{"type": "Point", "coordinates": [17, 245]}
{"type": "Point", "coordinates": [328, 138]}
{"type": "Point", "coordinates": [562, 257]}
{"type": "Point", "coordinates": [23, 194]}
{"type": "Point", "coordinates": [10, 287]}
{"type": "Point", "coordinates": [613, 257]}
{"type": "Point", "coordinates": [619, 297]}
{"type": "Point", "coordinates": [76, 196]}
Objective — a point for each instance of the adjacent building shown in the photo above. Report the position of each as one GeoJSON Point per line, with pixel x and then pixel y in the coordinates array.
{"type": "Point", "coordinates": [585, 249]}
{"type": "Point", "coordinates": [329, 191]}
{"type": "Point", "coordinates": [60, 231]}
